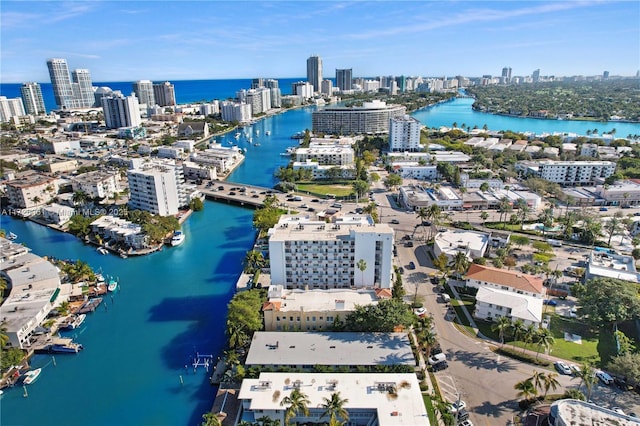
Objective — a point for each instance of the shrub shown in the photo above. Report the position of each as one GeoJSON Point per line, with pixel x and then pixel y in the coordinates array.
{"type": "Point", "coordinates": [516, 354]}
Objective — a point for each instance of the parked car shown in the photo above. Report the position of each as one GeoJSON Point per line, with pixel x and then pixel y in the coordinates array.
{"type": "Point", "coordinates": [462, 415]}
{"type": "Point", "coordinates": [466, 422]}
{"type": "Point", "coordinates": [562, 368]}
{"type": "Point", "coordinates": [437, 358]}
{"type": "Point", "coordinates": [412, 265]}
{"type": "Point", "coordinates": [395, 221]}
{"type": "Point", "coordinates": [604, 209]}
{"type": "Point", "coordinates": [440, 366]}
{"type": "Point", "coordinates": [604, 377]}
{"type": "Point", "coordinates": [409, 244]}
{"type": "Point", "coordinates": [573, 313]}
{"type": "Point", "coordinates": [420, 311]}
{"type": "Point", "coordinates": [550, 302]}
{"type": "Point", "coordinates": [455, 407]}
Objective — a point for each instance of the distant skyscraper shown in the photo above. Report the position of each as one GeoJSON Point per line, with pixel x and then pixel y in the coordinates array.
{"type": "Point", "coordinates": [536, 76]}
{"type": "Point", "coordinates": [61, 82]}
{"type": "Point", "coordinates": [271, 84]}
{"type": "Point", "coordinates": [120, 111]}
{"type": "Point", "coordinates": [506, 74]}
{"type": "Point", "coordinates": [10, 108]}
{"type": "Point", "coordinates": [327, 87]}
{"type": "Point", "coordinates": [344, 79]}
{"type": "Point", "coordinates": [68, 92]}
{"type": "Point", "coordinates": [257, 82]}
{"type": "Point", "coordinates": [144, 92]}
{"type": "Point", "coordinates": [605, 75]}
{"type": "Point", "coordinates": [32, 98]}
{"type": "Point", "coordinates": [314, 72]}
{"type": "Point", "coordinates": [164, 93]}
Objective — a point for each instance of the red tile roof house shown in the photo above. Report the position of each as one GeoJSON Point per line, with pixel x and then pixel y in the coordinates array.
{"type": "Point", "coordinates": [506, 293]}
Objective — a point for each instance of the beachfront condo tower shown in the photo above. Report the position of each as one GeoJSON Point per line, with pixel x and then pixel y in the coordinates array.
{"type": "Point", "coordinates": [32, 98]}
{"type": "Point", "coordinates": [314, 72]}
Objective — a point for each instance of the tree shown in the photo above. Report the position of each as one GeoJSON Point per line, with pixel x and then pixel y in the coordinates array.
{"type": "Point", "coordinates": [626, 365]}
{"type": "Point", "coordinates": [79, 197]}
{"type": "Point", "coordinates": [484, 186]}
{"type": "Point", "coordinates": [517, 328]}
{"type": "Point", "coordinates": [211, 419]}
{"type": "Point", "coordinates": [296, 402]}
{"type": "Point", "coordinates": [550, 382]}
{"type": "Point", "coordinates": [360, 187]}
{"type": "Point", "coordinates": [544, 339]}
{"type": "Point", "coordinates": [334, 409]}
{"type": "Point", "coordinates": [612, 227]}
{"type": "Point", "coordinates": [546, 217]}
{"type": "Point", "coordinates": [588, 376]}
{"type": "Point", "coordinates": [606, 301]}
{"type": "Point", "coordinates": [523, 211]}
{"type": "Point", "coordinates": [460, 263]}
{"type": "Point", "coordinates": [253, 261]}
{"type": "Point", "coordinates": [538, 379]}
{"type": "Point", "coordinates": [528, 335]}
{"type": "Point", "coordinates": [504, 207]}
{"type": "Point", "coordinates": [362, 266]}
{"type": "Point", "coordinates": [501, 325]}
{"type": "Point", "coordinates": [237, 336]}
{"type": "Point", "coordinates": [385, 316]}
{"type": "Point", "coordinates": [441, 263]}
{"type": "Point", "coordinates": [196, 204]}
{"type": "Point", "coordinates": [526, 389]}
{"type": "Point", "coordinates": [484, 216]}
{"type": "Point", "coordinates": [397, 291]}
{"type": "Point", "coordinates": [392, 180]}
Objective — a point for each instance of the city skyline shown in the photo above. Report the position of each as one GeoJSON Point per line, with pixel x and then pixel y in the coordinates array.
{"type": "Point", "coordinates": [221, 39]}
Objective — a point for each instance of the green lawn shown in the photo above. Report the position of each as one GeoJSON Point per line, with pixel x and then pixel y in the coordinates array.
{"type": "Point", "coordinates": [337, 189]}
{"type": "Point", "coordinates": [431, 411]}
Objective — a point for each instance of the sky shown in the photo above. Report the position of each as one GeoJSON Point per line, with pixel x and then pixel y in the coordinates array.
{"type": "Point", "coordinates": [183, 40]}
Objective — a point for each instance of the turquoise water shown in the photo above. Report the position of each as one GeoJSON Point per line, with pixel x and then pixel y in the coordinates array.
{"type": "Point", "coordinates": [460, 111]}
{"type": "Point", "coordinates": [171, 305]}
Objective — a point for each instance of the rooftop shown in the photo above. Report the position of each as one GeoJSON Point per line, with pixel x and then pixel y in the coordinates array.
{"type": "Point", "coordinates": [580, 413]}
{"type": "Point", "coordinates": [524, 307]}
{"type": "Point", "coordinates": [608, 265]}
{"type": "Point", "coordinates": [319, 300]}
{"type": "Point", "coordinates": [316, 348]}
{"type": "Point", "coordinates": [514, 279]}
{"type": "Point", "coordinates": [300, 228]}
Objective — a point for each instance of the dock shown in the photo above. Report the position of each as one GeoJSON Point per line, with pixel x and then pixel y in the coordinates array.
{"type": "Point", "coordinates": [90, 306]}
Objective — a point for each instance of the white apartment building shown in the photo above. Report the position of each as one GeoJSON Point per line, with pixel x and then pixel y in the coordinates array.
{"type": "Point", "coordinates": [32, 98]}
{"type": "Point", "coordinates": [114, 230]}
{"type": "Point", "coordinates": [404, 134]}
{"type": "Point", "coordinates": [603, 264]}
{"type": "Point", "coordinates": [381, 399]}
{"type": "Point", "coordinates": [158, 187]}
{"type": "Point", "coordinates": [170, 152]}
{"type": "Point", "coordinates": [327, 154]}
{"type": "Point", "coordinates": [222, 158]}
{"type": "Point", "coordinates": [416, 196]}
{"type": "Point", "coordinates": [307, 253]}
{"type": "Point", "coordinates": [233, 111]}
{"type": "Point", "coordinates": [121, 111]}
{"type": "Point", "coordinates": [571, 173]}
{"type": "Point", "coordinates": [198, 171]}
{"type": "Point", "coordinates": [10, 108]}
{"type": "Point", "coordinates": [314, 310]}
{"type": "Point", "coordinates": [144, 92]}
{"type": "Point", "coordinates": [212, 108]}
{"type": "Point", "coordinates": [34, 288]}
{"type": "Point", "coordinates": [303, 89]}
{"type": "Point", "coordinates": [319, 171]}
{"type": "Point", "coordinates": [506, 293]}
{"type": "Point", "coordinates": [371, 118]}
{"type": "Point", "coordinates": [453, 241]}
{"type": "Point", "coordinates": [31, 190]}
{"type": "Point", "coordinates": [57, 213]}
{"type": "Point", "coordinates": [97, 184]}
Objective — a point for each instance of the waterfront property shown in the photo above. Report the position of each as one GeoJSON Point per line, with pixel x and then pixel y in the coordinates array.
{"type": "Point", "coordinates": [371, 118]}
{"type": "Point", "coordinates": [568, 173]}
{"type": "Point", "coordinates": [404, 134]}
{"type": "Point", "coordinates": [270, 349]}
{"type": "Point", "coordinates": [381, 399]}
{"type": "Point", "coordinates": [351, 252]}
{"type": "Point", "coordinates": [316, 309]}
{"type": "Point", "coordinates": [118, 232]}
{"type": "Point", "coordinates": [31, 190]}
{"type": "Point", "coordinates": [34, 286]}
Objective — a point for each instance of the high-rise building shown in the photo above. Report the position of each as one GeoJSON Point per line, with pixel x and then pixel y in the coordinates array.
{"type": "Point", "coordinates": [326, 87]}
{"type": "Point", "coordinates": [302, 89]}
{"type": "Point", "coordinates": [271, 84]}
{"type": "Point", "coordinates": [404, 134]}
{"type": "Point", "coordinates": [61, 82]}
{"type": "Point", "coordinates": [506, 75]}
{"type": "Point", "coordinates": [144, 92]}
{"type": "Point", "coordinates": [536, 76]}
{"type": "Point", "coordinates": [32, 98]}
{"type": "Point", "coordinates": [164, 93]}
{"type": "Point", "coordinates": [10, 108]}
{"type": "Point", "coordinates": [605, 75]}
{"type": "Point", "coordinates": [68, 92]}
{"type": "Point", "coordinates": [314, 72]}
{"type": "Point", "coordinates": [344, 78]}
{"type": "Point", "coordinates": [120, 111]}
{"type": "Point", "coordinates": [157, 187]}
{"type": "Point", "coordinates": [257, 82]}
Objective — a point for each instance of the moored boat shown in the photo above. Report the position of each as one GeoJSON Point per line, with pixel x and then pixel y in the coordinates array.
{"type": "Point", "coordinates": [267, 132]}
{"type": "Point", "coordinates": [112, 285]}
{"type": "Point", "coordinates": [102, 250]}
{"type": "Point", "coordinates": [71, 348]}
{"type": "Point", "coordinates": [11, 236]}
{"type": "Point", "coordinates": [73, 322]}
{"type": "Point", "coordinates": [178, 238]}
{"type": "Point", "coordinates": [31, 376]}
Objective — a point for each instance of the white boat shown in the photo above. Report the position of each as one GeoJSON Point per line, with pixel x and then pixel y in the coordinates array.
{"type": "Point", "coordinates": [102, 250]}
{"type": "Point", "coordinates": [99, 277]}
{"type": "Point", "coordinates": [257, 132]}
{"type": "Point", "coordinates": [267, 132]}
{"type": "Point", "coordinates": [31, 376]}
{"type": "Point", "coordinates": [237, 136]}
{"type": "Point", "coordinates": [113, 284]}
{"type": "Point", "coordinates": [11, 236]}
{"type": "Point", "coordinates": [177, 239]}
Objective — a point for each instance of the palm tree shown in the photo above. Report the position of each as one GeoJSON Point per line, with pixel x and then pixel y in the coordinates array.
{"type": "Point", "coordinates": [588, 376]}
{"type": "Point", "coordinates": [525, 389]}
{"type": "Point", "coordinates": [211, 419]}
{"type": "Point", "coordinates": [613, 227]}
{"type": "Point", "coordinates": [544, 339]}
{"type": "Point", "coordinates": [546, 217]}
{"type": "Point", "coordinates": [253, 260]}
{"type": "Point", "coordinates": [523, 211]}
{"type": "Point", "coordinates": [4, 337]}
{"type": "Point", "coordinates": [484, 216]}
{"type": "Point", "coordinates": [504, 207]}
{"type": "Point", "coordinates": [550, 382]}
{"type": "Point", "coordinates": [296, 402]}
{"type": "Point", "coordinates": [529, 335]}
{"type": "Point", "coordinates": [460, 263]}
{"type": "Point", "coordinates": [538, 378]}
{"type": "Point", "coordinates": [334, 408]}
{"type": "Point", "coordinates": [79, 197]}
{"type": "Point", "coordinates": [362, 265]}
{"type": "Point", "coordinates": [502, 325]}
{"type": "Point", "coordinates": [517, 328]}
{"type": "Point", "coordinates": [237, 336]}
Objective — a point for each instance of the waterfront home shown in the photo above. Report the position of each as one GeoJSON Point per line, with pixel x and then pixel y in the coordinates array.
{"type": "Point", "coordinates": [30, 190]}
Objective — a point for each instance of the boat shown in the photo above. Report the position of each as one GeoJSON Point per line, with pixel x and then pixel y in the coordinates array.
{"type": "Point", "coordinates": [123, 255]}
{"type": "Point", "coordinates": [70, 348]}
{"type": "Point", "coordinates": [257, 132]}
{"type": "Point", "coordinates": [73, 322]}
{"type": "Point", "coordinates": [102, 250]}
{"type": "Point", "coordinates": [237, 136]}
{"type": "Point", "coordinates": [99, 277]}
{"type": "Point", "coordinates": [267, 132]}
{"type": "Point", "coordinates": [11, 236]}
{"type": "Point", "coordinates": [31, 376]}
{"type": "Point", "coordinates": [113, 284]}
{"type": "Point", "coordinates": [177, 239]}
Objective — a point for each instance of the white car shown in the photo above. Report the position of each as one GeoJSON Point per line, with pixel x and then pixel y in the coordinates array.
{"type": "Point", "coordinates": [604, 377]}
{"type": "Point", "coordinates": [437, 358]}
{"type": "Point", "coordinates": [563, 368]}
{"type": "Point", "coordinates": [573, 313]}
{"type": "Point", "coordinates": [466, 423]}
{"type": "Point", "coordinates": [454, 407]}
{"type": "Point", "coordinates": [420, 312]}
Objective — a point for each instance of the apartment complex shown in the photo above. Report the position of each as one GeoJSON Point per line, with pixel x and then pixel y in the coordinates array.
{"type": "Point", "coordinates": [144, 92]}
{"type": "Point", "coordinates": [115, 231]}
{"type": "Point", "coordinates": [371, 118]}
{"type": "Point", "coordinates": [603, 263]}
{"type": "Point", "coordinates": [314, 72]}
{"type": "Point", "coordinates": [96, 184]}
{"type": "Point", "coordinates": [344, 79]}
{"type": "Point", "coordinates": [314, 310]}
{"type": "Point", "coordinates": [164, 94]}
{"type": "Point", "coordinates": [235, 111]}
{"type": "Point", "coordinates": [404, 134]}
{"type": "Point", "coordinates": [31, 190]}
{"type": "Point", "coordinates": [121, 111]}
{"type": "Point", "coordinates": [70, 90]}
{"type": "Point", "coordinates": [157, 187]}
{"type": "Point", "coordinates": [10, 108]}
{"type": "Point", "coordinates": [327, 152]}
{"type": "Point", "coordinates": [351, 252]}
{"type": "Point", "coordinates": [569, 173]}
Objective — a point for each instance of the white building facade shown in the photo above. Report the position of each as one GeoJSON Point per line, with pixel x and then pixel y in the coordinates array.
{"type": "Point", "coordinates": [158, 188]}
{"type": "Point", "coordinates": [121, 111]}
{"type": "Point", "coordinates": [404, 134]}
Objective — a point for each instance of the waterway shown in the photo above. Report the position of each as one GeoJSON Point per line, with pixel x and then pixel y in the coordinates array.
{"type": "Point", "coordinates": [172, 304]}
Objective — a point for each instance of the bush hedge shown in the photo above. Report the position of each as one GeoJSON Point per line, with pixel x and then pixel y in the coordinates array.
{"type": "Point", "coordinates": [524, 357]}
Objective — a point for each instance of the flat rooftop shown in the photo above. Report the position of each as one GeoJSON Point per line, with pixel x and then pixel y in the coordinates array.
{"type": "Point", "coordinates": [612, 266]}
{"type": "Point", "coordinates": [294, 228]}
{"type": "Point", "coordinates": [334, 300]}
{"type": "Point", "coordinates": [394, 399]}
{"type": "Point", "coordinates": [579, 413]}
{"type": "Point", "coordinates": [292, 348]}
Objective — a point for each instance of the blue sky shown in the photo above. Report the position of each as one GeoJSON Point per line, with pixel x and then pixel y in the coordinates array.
{"type": "Point", "coordinates": [129, 40]}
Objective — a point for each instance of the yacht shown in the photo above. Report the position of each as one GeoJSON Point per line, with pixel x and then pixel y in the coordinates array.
{"type": "Point", "coordinates": [11, 236]}
{"type": "Point", "coordinates": [31, 376]}
{"type": "Point", "coordinates": [177, 239]}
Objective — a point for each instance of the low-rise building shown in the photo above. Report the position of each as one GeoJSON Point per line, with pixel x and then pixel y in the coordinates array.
{"type": "Point", "coordinates": [568, 173]}
{"type": "Point", "coordinates": [57, 214]}
{"type": "Point", "coordinates": [114, 230]}
{"type": "Point", "coordinates": [31, 190]}
{"type": "Point", "coordinates": [170, 152]}
{"type": "Point", "coordinates": [34, 288]}
{"type": "Point", "coordinates": [415, 197]}
{"type": "Point", "coordinates": [222, 158]}
{"type": "Point", "coordinates": [381, 399]}
{"type": "Point", "coordinates": [605, 264]}
{"type": "Point", "coordinates": [319, 171]}
{"type": "Point", "coordinates": [97, 184]}
{"type": "Point", "coordinates": [193, 128]}
{"type": "Point", "coordinates": [565, 412]}
{"type": "Point", "coordinates": [199, 171]}
{"type": "Point", "coordinates": [313, 310]}
{"type": "Point", "coordinates": [453, 241]}
{"type": "Point", "coordinates": [305, 350]}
